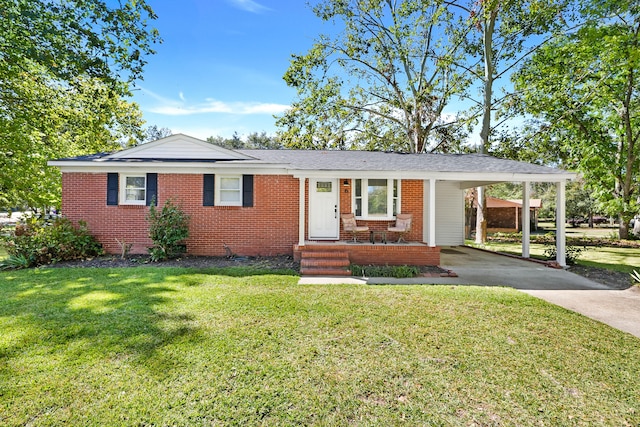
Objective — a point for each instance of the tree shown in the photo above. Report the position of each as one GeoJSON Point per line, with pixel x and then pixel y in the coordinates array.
{"type": "Point", "coordinates": [382, 82]}
{"type": "Point", "coordinates": [584, 88]}
{"type": "Point", "coordinates": [232, 143]}
{"type": "Point", "coordinates": [154, 133]}
{"type": "Point", "coordinates": [253, 140]}
{"type": "Point", "coordinates": [502, 30]}
{"type": "Point", "coordinates": [65, 68]}
{"type": "Point", "coordinates": [263, 141]}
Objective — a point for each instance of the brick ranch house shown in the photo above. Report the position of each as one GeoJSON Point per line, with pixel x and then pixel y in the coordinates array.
{"type": "Point", "coordinates": [275, 202]}
{"type": "Point", "coordinates": [506, 215]}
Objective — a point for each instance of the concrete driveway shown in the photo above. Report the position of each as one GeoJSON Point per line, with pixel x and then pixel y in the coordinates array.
{"type": "Point", "coordinates": [617, 308]}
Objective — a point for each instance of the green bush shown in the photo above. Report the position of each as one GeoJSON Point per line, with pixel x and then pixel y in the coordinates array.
{"type": "Point", "coordinates": [168, 229]}
{"type": "Point", "coordinates": [396, 271]}
{"type": "Point", "coordinates": [40, 242]}
{"type": "Point", "coordinates": [572, 253]}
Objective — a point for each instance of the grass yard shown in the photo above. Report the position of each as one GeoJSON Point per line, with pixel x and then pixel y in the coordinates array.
{"type": "Point", "coordinates": [620, 259]}
{"type": "Point", "coordinates": [161, 346]}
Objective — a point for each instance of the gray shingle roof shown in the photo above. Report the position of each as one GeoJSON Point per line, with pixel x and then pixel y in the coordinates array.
{"type": "Point", "coordinates": [386, 161]}
{"type": "Point", "coordinates": [336, 160]}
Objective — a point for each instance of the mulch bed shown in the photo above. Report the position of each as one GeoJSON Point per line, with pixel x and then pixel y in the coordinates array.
{"type": "Point", "coordinates": [614, 279]}
{"type": "Point", "coordinates": [272, 263]}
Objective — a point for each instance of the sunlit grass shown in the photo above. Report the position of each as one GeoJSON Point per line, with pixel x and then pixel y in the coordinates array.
{"type": "Point", "coordinates": [160, 346]}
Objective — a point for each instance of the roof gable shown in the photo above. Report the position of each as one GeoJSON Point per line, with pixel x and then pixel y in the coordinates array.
{"type": "Point", "coordinates": [178, 147]}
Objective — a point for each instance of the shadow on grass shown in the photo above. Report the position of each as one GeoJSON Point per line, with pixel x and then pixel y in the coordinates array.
{"type": "Point", "coordinates": [244, 271]}
{"type": "Point", "coordinates": [86, 313]}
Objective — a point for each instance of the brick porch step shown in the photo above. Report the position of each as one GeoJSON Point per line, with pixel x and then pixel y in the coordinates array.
{"type": "Point", "coordinates": [324, 263]}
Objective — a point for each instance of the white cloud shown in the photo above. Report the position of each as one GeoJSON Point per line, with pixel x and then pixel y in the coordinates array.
{"type": "Point", "coordinates": [249, 6]}
{"type": "Point", "coordinates": [173, 107]}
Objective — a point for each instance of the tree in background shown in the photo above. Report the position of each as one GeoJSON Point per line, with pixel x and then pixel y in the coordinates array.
{"type": "Point", "coordinates": [253, 140]}
{"type": "Point", "coordinates": [154, 133]}
{"type": "Point", "coordinates": [65, 70]}
{"type": "Point", "coordinates": [382, 82]}
{"type": "Point", "coordinates": [502, 35]}
{"type": "Point", "coordinates": [583, 87]}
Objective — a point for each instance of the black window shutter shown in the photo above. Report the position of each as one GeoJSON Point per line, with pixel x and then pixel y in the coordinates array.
{"type": "Point", "coordinates": [208, 189]}
{"type": "Point", "coordinates": [247, 190]}
{"type": "Point", "coordinates": [152, 189]}
{"type": "Point", "coordinates": [112, 189]}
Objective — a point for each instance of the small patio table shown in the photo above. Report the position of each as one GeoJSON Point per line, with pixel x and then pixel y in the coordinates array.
{"type": "Point", "coordinates": [381, 233]}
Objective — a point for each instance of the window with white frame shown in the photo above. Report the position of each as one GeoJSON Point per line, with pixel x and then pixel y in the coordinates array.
{"type": "Point", "coordinates": [133, 189]}
{"type": "Point", "coordinates": [376, 198]}
{"type": "Point", "coordinates": [229, 190]}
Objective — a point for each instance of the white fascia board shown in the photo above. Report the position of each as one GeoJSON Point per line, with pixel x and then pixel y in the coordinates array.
{"type": "Point", "coordinates": [472, 179]}
{"type": "Point", "coordinates": [466, 179]}
{"type": "Point", "coordinates": [162, 167]}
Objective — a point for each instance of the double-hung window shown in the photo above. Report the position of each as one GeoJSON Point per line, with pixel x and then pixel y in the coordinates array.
{"type": "Point", "coordinates": [134, 189]}
{"type": "Point", "coordinates": [376, 198]}
{"type": "Point", "coordinates": [229, 191]}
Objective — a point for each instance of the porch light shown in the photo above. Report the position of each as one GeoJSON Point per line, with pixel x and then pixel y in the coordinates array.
{"type": "Point", "coordinates": [346, 183]}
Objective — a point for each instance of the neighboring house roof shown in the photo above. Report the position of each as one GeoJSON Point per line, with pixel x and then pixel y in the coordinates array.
{"type": "Point", "coordinates": [184, 151]}
{"type": "Point", "coordinates": [533, 203]}
{"type": "Point", "coordinates": [494, 202]}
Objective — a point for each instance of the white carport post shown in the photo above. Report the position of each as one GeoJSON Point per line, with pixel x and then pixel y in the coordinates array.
{"type": "Point", "coordinates": [301, 208]}
{"type": "Point", "coordinates": [431, 210]}
{"type": "Point", "coordinates": [526, 219]}
{"type": "Point", "coordinates": [561, 243]}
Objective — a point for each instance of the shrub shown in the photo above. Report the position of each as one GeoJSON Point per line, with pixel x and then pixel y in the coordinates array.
{"type": "Point", "coordinates": [572, 253]}
{"type": "Point", "coordinates": [397, 271]}
{"type": "Point", "coordinates": [40, 242]}
{"type": "Point", "coordinates": [168, 229]}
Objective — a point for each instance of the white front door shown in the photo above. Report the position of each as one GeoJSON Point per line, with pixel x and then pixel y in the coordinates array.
{"type": "Point", "coordinates": [324, 218]}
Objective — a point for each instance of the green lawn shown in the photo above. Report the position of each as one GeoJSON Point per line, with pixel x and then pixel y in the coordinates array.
{"type": "Point", "coordinates": [613, 258]}
{"type": "Point", "coordinates": [161, 346]}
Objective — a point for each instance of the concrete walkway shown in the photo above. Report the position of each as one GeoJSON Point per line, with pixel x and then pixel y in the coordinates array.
{"type": "Point", "coordinates": [617, 308]}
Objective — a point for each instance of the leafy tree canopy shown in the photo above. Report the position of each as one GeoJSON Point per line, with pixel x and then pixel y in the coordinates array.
{"type": "Point", "coordinates": [583, 87]}
{"type": "Point", "coordinates": [253, 140]}
{"type": "Point", "coordinates": [65, 70]}
{"type": "Point", "coordinates": [382, 81]}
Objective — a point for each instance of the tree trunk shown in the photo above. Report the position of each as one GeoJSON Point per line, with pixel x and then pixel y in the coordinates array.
{"type": "Point", "coordinates": [481, 221]}
{"type": "Point", "coordinates": [623, 227]}
{"type": "Point", "coordinates": [489, 69]}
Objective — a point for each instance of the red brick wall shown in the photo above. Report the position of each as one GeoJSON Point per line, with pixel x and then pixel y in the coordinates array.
{"type": "Point", "coordinates": [504, 218]}
{"type": "Point", "coordinates": [270, 227]}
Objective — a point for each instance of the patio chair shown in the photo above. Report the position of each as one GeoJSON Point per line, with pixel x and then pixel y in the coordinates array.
{"type": "Point", "coordinates": [349, 224]}
{"type": "Point", "coordinates": [402, 226]}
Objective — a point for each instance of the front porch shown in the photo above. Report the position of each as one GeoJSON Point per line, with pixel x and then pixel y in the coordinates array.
{"type": "Point", "coordinates": [333, 258]}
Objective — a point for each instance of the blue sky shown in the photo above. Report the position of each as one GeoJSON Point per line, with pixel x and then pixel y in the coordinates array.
{"type": "Point", "coordinates": [220, 67]}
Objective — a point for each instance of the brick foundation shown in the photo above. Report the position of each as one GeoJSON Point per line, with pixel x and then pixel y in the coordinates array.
{"type": "Point", "coordinates": [379, 254]}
